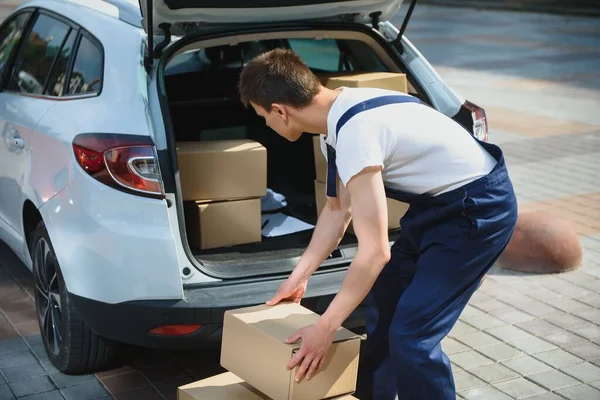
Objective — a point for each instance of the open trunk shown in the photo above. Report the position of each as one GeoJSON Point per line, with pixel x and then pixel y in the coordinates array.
{"type": "Point", "coordinates": [204, 105]}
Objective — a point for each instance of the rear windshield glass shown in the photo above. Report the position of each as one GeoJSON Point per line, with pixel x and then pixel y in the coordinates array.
{"type": "Point", "coordinates": [325, 55]}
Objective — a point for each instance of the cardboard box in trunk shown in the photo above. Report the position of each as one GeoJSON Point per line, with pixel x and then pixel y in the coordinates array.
{"type": "Point", "coordinates": [225, 386]}
{"type": "Point", "coordinates": [382, 80]}
{"type": "Point", "coordinates": [222, 169]}
{"type": "Point", "coordinates": [253, 348]}
{"type": "Point", "coordinates": [396, 209]}
{"type": "Point", "coordinates": [223, 223]}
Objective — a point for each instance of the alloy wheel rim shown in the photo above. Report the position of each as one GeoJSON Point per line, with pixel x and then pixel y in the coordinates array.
{"type": "Point", "coordinates": [47, 296]}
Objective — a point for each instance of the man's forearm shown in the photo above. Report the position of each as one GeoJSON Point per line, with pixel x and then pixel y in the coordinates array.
{"type": "Point", "coordinates": [328, 232]}
{"type": "Point", "coordinates": [363, 272]}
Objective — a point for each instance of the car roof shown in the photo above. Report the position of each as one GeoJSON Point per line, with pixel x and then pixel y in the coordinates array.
{"type": "Point", "coordinates": [127, 11]}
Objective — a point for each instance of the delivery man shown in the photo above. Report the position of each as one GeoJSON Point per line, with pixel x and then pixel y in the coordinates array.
{"type": "Point", "coordinates": [462, 214]}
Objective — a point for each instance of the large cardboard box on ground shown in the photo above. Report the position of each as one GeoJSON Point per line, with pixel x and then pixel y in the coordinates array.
{"type": "Point", "coordinates": [382, 80]}
{"type": "Point", "coordinates": [226, 386]}
{"type": "Point", "coordinates": [253, 348]}
{"type": "Point", "coordinates": [396, 209]}
{"type": "Point", "coordinates": [223, 223]}
{"type": "Point", "coordinates": [222, 169]}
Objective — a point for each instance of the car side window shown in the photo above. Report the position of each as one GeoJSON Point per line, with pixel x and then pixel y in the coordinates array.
{"type": "Point", "coordinates": [56, 82]}
{"type": "Point", "coordinates": [37, 55]}
{"type": "Point", "coordinates": [86, 76]}
{"type": "Point", "coordinates": [9, 36]}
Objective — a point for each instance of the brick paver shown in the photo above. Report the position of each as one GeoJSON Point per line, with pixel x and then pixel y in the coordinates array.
{"type": "Point", "coordinates": [522, 335]}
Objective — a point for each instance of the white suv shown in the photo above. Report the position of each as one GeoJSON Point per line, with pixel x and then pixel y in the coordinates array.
{"type": "Point", "coordinates": [94, 97]}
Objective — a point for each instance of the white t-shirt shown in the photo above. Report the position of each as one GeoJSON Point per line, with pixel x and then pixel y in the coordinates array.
{"type": "Point", "coordinates": [421, 150]}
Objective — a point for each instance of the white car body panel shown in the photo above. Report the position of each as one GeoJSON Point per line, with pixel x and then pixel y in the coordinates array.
{"type": "Point", "coordinates": [13, 160]}
{"type": "Point", "coordinates": [18, 118]}
{"type": "Point", "coordinates": [113, 247]}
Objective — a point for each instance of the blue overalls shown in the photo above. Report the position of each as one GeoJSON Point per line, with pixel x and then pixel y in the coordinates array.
{"type": "Point", "coordinates": [446, 245]}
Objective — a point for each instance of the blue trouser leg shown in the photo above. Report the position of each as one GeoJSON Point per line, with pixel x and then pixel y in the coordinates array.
{"type": "Point", "coordinates": [447, 245]}
{"type": "Point", "coordinates": [376, 375]}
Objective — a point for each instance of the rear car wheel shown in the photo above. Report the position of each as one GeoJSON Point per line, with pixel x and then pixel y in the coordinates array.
{"type": "Point", "coordinates": [71, 346]}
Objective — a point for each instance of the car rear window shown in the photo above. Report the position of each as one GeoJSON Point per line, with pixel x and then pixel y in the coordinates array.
{"type": "Point", "coordinates": [324, 55]}
{"type": "Point", "coordinates": [86, 76]}
{"type": "Point", "coordinates": [333, 55]}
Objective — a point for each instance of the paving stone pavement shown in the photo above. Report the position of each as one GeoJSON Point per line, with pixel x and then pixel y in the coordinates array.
{"type": "Point", "coordinates": [522, 335]}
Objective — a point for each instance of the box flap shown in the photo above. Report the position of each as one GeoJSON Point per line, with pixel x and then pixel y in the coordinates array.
{"type": "Point", "coordinates": [223, 386]}
{"type": "Point", "coordinates": [283, 320]}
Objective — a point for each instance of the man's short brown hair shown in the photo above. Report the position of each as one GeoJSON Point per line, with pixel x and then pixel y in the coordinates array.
{"type": "Point", "coordinates": [278, 76]}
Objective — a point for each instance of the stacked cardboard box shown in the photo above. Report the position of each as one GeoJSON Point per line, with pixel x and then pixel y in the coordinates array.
{"type": "Point", "coordinates": [222, 182]}
{"type": "Point", "coordinates": [255, 355]}
{"type": "Point", "coordinates": [382, 80]}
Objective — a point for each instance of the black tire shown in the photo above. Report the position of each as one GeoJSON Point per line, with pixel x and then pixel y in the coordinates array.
{"type": "Point", "coordinates": [70, 345]}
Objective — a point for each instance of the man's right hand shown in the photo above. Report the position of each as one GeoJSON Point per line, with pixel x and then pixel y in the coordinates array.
{"type": "Point", "coordinates": [290, 290]}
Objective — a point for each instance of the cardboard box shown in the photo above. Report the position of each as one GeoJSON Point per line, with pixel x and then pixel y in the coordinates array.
{"type": "Point", "coordinates": [219, 387]}
{"type": "Point", "coordinates": [382, 80]}
{"type": "Point", "coordinates": [253, 348]}
{"type": "Point", "coordinates": [396, 209]}
{"type": "Point", "coordinates": [320, 161]}
{"type": "Point", "coordinates": [225, 386]}
{"type": "Point", "coordinates": [223, 223]}
{"type": "Point", "coordinates": [222, 169]}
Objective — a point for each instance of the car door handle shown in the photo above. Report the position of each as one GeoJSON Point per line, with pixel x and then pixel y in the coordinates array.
{"type": "Point", "coordinates": [18, 142]}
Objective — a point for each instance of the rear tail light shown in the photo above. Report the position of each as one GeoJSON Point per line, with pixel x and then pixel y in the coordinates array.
{"type": "Point", "coordinates": [123, 162]}
{"type": "Point", "coordinates": [480, 126]}
{"type": "Point", "coordinates": [174, 330]}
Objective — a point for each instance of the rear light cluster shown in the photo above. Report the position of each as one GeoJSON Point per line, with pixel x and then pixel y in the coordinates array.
{"type": "Point", "coordinates": [480, 126]}
{"type": "Point", "coordinates": [174, 330]}
{"type": "Point", "coordinates": [124, 162]}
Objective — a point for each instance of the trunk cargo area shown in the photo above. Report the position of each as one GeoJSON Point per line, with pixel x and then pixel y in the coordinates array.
{"type": "Point", "coordinates": [206, 112]}
{"type": "Point", "coordinates": [290, 167]}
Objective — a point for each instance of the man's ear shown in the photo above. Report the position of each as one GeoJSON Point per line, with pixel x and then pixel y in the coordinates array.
{"type": "Point", "coordinates": [280, 110]}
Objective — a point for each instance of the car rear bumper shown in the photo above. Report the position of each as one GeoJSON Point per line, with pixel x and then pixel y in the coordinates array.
{"type": "Point", "coordinates": [130, 322]}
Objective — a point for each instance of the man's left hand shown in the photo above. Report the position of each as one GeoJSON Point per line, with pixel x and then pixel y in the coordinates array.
{"type": "Point", "coordinates": [316, 341]}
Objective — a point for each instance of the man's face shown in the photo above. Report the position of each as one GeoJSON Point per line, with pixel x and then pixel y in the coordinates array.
{"type": "Point", "coordinates": [280, 121]}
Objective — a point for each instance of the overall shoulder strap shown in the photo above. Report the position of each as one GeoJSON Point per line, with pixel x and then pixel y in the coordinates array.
{"type": "Point", "coordinates": [351, 112]}
{"type": "Point", "coordinates": [370, 104]}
